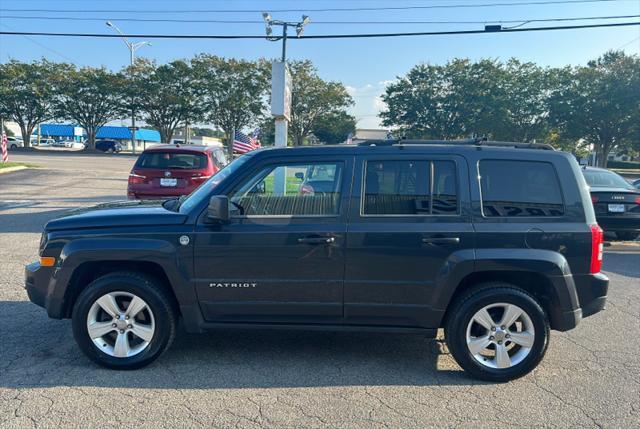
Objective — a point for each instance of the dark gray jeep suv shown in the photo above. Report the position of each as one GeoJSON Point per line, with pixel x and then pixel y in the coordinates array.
{"type": "Point", "coordinates": [497, 243]}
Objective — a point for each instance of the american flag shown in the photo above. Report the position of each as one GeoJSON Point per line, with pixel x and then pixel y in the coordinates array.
{"type": "Point", "coordinates": [243, 143]}
{"type": "Point", "coordinates": [5, 154]}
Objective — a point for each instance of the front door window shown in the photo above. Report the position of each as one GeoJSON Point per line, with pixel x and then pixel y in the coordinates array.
{"type": "Point", "coordinates": [311, 189]}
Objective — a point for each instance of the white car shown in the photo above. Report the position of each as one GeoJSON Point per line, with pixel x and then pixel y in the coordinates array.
{"type": "Point", "coordinates": [69, 144]}
{"type": "Point", "coordinates": [78, 145]}
{"type": "Point", "coordinates": [43, 141]}
{"type": "Point", "coordinates": [14, 142]}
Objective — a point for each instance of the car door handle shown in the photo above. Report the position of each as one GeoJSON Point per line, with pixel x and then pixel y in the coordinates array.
{"type": "Point", "coordinates": [316, 240]}
{"type": "Point", "coordinates": [441, 240]}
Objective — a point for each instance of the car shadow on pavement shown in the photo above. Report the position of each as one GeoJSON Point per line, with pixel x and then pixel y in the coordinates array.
{"type": "Point", "coordinates": [34, 221]}
{"type": "Point", "coordinates": [41, 352]}
{"type": "Point", "coordinates": [29, 222]}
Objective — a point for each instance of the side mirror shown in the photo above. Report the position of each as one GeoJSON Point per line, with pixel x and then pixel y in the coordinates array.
{"type": "Point", "coordinates": [218, 210]}
{"type": "Point", "coordinates": [300, 176]}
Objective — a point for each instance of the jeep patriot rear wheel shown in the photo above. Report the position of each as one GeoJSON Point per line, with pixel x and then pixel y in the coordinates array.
{"type": "Point", "coordinates": [123, 320]}
{"type": "Point", "coordinates": [497, 332]}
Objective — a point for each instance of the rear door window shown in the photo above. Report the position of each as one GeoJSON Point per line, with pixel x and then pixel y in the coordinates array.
{"type": "Point", "coordinates": [168, 160]}
{"type": "Point", "coordinates": [513, 188]}
{"type": "Point", "coordinates": [410, 188]}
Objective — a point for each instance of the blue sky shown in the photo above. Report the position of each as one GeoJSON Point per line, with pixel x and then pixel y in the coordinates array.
{"type": "Point", "coordinates": [363, 65]}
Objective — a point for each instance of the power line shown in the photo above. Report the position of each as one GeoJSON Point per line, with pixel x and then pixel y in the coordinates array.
{"type": "Point", "coordinates": [216, 21]}
{"type": "Point", "coordinates": [321, 36]}
{"type": "Point", "coordinates": [43, 46]}
{"type": "Point", "coordinates": [628, 43]}
{"type": "Point", "coordinates": [349, 9]}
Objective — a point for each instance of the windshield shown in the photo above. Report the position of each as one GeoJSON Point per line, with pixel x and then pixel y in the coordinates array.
{"type": "Point", "coordinates": [165, 160]}
{"type": "Point", "coordinates": [605, 179]}
{"type": "Point", "coordinates": [208, 187]}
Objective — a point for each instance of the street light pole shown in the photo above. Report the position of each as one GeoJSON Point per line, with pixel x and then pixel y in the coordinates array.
{"type": "Point", "coordinates": [281, 117]}
{"type": "Point", "coordinates": [269, 21]}
{"type": "Point", "coordinates": [281, 90]}
{"type": "Point", "coordinates": [284, 42]}
{"type": "Point", "coordinates": [133, 47]}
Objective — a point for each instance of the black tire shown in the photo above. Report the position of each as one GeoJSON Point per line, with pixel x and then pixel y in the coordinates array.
{"type": "Point", "coordinates": [627, 235]}
{"type": "Point", "coordinates": [158, 301]}
{"type": "Point", "coordinates": [461, 313]}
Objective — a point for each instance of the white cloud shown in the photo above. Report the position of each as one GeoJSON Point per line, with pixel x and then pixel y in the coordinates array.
{"type": "Point", "coordinates": [378, 104]}
{"type": "Point", "coordinates": [368, 103]}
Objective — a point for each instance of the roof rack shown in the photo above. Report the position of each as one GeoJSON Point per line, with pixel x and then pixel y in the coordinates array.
{"type": "Point", "coordinates": [467, 142]}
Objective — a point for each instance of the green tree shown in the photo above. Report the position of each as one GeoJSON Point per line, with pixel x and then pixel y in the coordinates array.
{"type": "Point", "coordinates": [27, 93]}
{"type": "Point", "coordinates": [526, 91]}
{"type": "Point", "coordinates": [452, 101]}
{"type": "Point", "coordinates": [207, 132]}
{"type": "Point", "coordinates": [268, 132]}
{"type": "Point", "coordinates": [598, 103]}
{"type": "Point", "coordinates": [334, 127]}
{"type": "Point", "coordinates": [91, 97]}
{"type": "Point", "coordinates": [166, 96]}
{"type": "Point", "coordinates": [233, 92]}
{"type": "Point", "coordinates": [312, 98]}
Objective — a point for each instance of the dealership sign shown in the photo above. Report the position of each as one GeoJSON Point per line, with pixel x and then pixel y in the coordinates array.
{"type": "Point", "coordinates": [280, 91]}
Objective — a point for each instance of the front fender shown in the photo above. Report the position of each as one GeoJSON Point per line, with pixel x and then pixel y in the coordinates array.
{"type": "Point", "coordinates": [96, 249]}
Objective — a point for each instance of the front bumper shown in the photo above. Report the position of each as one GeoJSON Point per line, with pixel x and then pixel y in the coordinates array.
{"type": "Point", "coordinates": [39, 282]}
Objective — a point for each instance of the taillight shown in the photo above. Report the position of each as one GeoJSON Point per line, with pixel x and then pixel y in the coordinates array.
{"type": "Point", "coordinates": [136, 179]}
{"type": "Point", "coordinates": [597, 248]}
{"type": "Point", "coordinates": [638, 200]}
{"type": "Point", "coordinates": [594, 199]}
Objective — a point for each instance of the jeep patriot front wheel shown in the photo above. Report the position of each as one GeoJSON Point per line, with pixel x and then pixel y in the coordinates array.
{"type": "Point", "coordinates": [123, 320]}
{"type": "Point", "coordinates": [497, 332]}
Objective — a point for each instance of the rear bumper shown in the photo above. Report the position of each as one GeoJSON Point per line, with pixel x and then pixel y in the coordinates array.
{"type": "Point", "coordinates": [134, 196]}
{"type": "Point", "coordinates": [592, 296]}
{"type": "Point", "coordinates": [624, 222]}
{"type": "Point", "coordinates": [592, 292]}
{"type": "Point", "coordinates": [148, 193]}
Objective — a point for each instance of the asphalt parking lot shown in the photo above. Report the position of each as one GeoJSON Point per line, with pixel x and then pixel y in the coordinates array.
{"type": "Point", "coordinates": [589, 378]}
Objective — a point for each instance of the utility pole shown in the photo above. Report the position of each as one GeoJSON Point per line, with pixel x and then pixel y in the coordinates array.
{"type": "Point", "coordinates": [133, 47]}
{"type": "Point", "coordinates": [281, 80]}
{"type": "Point", "coordinates": [281, 88]}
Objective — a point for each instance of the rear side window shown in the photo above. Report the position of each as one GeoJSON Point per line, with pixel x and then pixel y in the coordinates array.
{"type": "Point", "coordinates": [520, 188]}
{"type": "Point", "coordinates": [410, 188]}
{"type": "Point", "coordinates": [604, 178]}
{"type": "Point", "coordinates": [164, 160]}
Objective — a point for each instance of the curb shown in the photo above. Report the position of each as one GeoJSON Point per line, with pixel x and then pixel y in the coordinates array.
{"type": "Point", "coordinates": [631, 247]}
{"type": "Point", "coordinates": [12, 169]}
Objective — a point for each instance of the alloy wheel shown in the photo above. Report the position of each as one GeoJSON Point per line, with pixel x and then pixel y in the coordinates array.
{"type": "Point", "coordinates": [500, 335]}
{"type": "Point", "coordinates": [120, 324]}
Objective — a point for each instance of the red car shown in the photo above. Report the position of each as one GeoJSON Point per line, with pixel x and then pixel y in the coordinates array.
{"type": "Point", "coordinates": [166, 171]}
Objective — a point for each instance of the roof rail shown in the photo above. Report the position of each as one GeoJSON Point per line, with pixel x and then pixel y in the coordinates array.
{"type": "Point", "coordinates": [468, 142]}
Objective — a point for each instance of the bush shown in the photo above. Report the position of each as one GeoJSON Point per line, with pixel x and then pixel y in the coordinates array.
{"type": "Point", "coordinates": [627, 165]}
